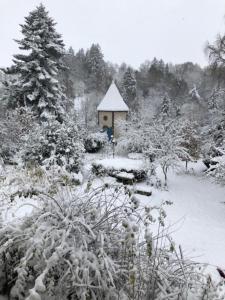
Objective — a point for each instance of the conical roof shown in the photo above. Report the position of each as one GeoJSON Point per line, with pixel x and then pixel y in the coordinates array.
{"type": "Point", "coordinates": [112, 101]}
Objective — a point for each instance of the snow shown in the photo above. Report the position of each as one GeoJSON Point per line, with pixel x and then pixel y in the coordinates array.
{"type": "Point", "coordinates": [196, 219]}
{"type": "Point", "coordinates": [120, 163]}
{"type": "Point", "coordinates": [18, 210]}
{"type": "Point", "coordinates": [143, 188]}
{"type": "Point", "coordinates": [125, 175]}
{"type": "Point", "coordinates": [78, 101]}
{"type": "Point", "coordinates": [135, 155]}
{"type": "Point", "coordinates": [201, 205]}
{"type": "Point", "coordinates": [112, 101]}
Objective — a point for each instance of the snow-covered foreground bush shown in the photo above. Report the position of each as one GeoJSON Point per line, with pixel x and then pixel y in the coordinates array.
{"type": "Point", "coordinates": [94, 142]}
{"type": "Point", "coordinates": [24, 184]}
{"type": "Point", "coordinates": [89, 245]}
{"type": "Point", "coordinates": [54, 144]}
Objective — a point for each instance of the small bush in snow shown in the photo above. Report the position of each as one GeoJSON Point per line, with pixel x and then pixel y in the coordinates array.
{"type": "Point", "coordinates": [94, 142]}
{"type": "Point", "coordinates": [217, 168]}
{"type": "Point", "coordinates": [54, 144]}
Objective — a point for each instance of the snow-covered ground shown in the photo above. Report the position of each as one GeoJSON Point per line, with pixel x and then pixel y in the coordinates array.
{"type": "Point", "coordinates": [201, 205]}
{"type": "Point", "coordinates": [196, 217]}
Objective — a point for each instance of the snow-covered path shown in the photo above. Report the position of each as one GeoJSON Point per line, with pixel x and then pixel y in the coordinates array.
{"type": "Point", "coordinates": [198, 215]}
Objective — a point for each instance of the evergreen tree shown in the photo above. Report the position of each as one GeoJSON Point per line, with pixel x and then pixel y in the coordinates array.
{"type": "Point", "coordinates": [166, 107]}
{"type": "Point", "coordinates": [156, 72]}
{"type": "Point", "coordinates": [71, 51]}
{"type": "Point", "coordinates": [66, 74]}
{"type": "Point", "coordinates": [37, 82]}
{"type": "Point", "coordinates": [80, 67]}
{"type": "Point", "coordinates": [96, 67]}
{"type": "Point", "coordinates": [129, 87]}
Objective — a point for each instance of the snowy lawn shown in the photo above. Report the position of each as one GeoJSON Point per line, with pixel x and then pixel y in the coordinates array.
{"type": "Point", "coordinates": [196, 217]}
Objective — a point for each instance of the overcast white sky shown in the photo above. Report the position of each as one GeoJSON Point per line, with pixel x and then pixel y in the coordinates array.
{"type": "Point", "coordinates": [127, 30]}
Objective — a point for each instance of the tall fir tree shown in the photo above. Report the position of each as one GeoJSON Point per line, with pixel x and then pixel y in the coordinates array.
{"type": "Point", "coordinates": [129, 87]}
{"type": "Point", "coordinates": [96, 67]}
{"type": "Point", "coordinates": [36, 72]}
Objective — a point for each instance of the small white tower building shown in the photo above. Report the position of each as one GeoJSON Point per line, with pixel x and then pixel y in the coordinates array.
{"type": "Point", "coordinates": [111, 110]}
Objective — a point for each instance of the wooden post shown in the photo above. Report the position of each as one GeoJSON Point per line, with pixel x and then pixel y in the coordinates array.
{"type": "Point", "coordinates": [113, 123]}
{"type": "Point", "coordinates": [113, 142]}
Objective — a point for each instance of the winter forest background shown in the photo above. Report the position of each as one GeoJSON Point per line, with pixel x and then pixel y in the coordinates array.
{"type": "Point", "coordinates": [85, 218]}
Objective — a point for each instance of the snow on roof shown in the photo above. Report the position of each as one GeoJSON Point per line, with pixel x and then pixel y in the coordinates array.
{"type": "Point", "coordinates": [112, 101]}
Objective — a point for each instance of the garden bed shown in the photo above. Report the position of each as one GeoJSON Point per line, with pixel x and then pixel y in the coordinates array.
{"type": "Point", "coordinates": [115, 166]}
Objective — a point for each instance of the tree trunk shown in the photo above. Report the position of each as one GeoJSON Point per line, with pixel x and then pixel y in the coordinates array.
{"type": "Point", "coordinates": [165, 175]}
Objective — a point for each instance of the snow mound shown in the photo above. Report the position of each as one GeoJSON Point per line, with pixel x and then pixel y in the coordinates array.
{"type": "Point", "coordinates": [125, 175]}
{"type": "Point", "coordinates": [121, 163]}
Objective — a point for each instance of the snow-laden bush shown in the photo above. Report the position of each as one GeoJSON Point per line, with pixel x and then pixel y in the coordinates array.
{"type": "Point", "coordinates": [215, 163]}
{"type": "Point", "coordinates": [14, 124]}
{"type": "Point", "coordinates": [54, 144]}
{"type": "Point", "coordinates": [78, 247]}
{"type": "Point", "coordinates": [164, 142]}
{"type": "Point", "coordinates": [217, 168]}
{"type": "Point", "coordinates": [131, 135]}
{"type": "Point", "coordinates": [94, 142]}
{"type": "Point", "coordinates": [25, 183]}
{"type": "Point", "coordinates": [88, 246]}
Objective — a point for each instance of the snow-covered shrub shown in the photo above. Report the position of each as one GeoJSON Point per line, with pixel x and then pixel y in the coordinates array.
{"type": "Point", "coordinates": [217, 168]}
{"type": "Point", "coordinates": [131, 135]}
{"type": "Point", "coordinates": [214, 160]}
{"type": "Point", "coordinates": [94, 142]}
{"type": "Point", "coordinates": [163, 145]}
{"type": "Point", "coordinates": [163, 141]}
{"type": "Point", "coordinates": [15, 124]}
{"type": "Point", "coordinates": [152, 178]}
{"type": "Point", "coordinates": [91, 246]}
{"type": "Point", "coordinates": [54, 144]}
{"type": "Point", "coordinates": [80, 247]}
{"type": "Point", "coordinates": [28, 183]}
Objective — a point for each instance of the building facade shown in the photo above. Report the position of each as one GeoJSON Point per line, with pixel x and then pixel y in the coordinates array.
{"type": "Point", "coordinates": [111, 111]}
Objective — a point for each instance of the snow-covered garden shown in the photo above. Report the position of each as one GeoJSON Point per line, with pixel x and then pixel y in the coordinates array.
{"type": "Point", "coordinates": [124, 200]}
{"type": "Point", "coordinates": [185, 219]}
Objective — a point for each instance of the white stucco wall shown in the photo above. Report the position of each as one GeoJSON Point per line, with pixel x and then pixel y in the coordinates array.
{"type": "Point", "coordinates": [118, 115]}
